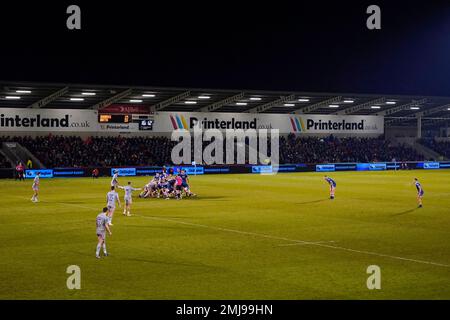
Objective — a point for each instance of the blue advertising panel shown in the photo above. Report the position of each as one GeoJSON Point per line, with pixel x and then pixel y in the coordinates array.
{"type": "Point", "coordinates": [194, 170]}
{"type": "Point", "coordinates": [431, 165]}
{"type": "Point", "coordinates": [325, 167]}
{"type": "Point", "coordinates": [262, 169]}
{"type": "Point", "coordinates": [377, 166]}
{"type": "Point", "coordinates": [69, 173]}
{"type": "Point", "coordinates": [443, 165]}
{"type": "Point", "coordinates": [285, 168]}
{"type": "Point", "coordinates": [217, 170]}
{"type": "Point", "coordinates": [122, 172]}
{"type": "Point", "coordinates": [45, 173]}
{"type": "Point", "coordinates": [189, 170]}
{"type": "Point", "coordinates": [344, 166]}
{"type": "Point", "coordinates": [362, 167]}
{"type": "Point", "coordinates": [147, 171]}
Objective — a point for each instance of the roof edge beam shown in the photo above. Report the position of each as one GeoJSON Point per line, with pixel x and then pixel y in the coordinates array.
{"type": "Point", "coordinates": [271, 104]}
{"type": "Point", "coordinates": [111, 100]}
{"type": "Point", "coordinates": [45, 101]}
{"type": "Point", "coordinates": [318, 105]}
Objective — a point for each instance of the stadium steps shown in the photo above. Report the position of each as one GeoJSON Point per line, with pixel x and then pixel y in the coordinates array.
{"type": "Point", "coordinates": [420, 148]}
{"type": "Point", "coordinates": [13, 164]}
{"type": "Point", "coordinates": [15, 152]}
{"type": "Point", "coordinates": [429, 153]}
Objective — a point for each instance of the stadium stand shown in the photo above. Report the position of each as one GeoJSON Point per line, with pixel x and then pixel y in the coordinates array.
{"type": "Point", "coordinates": [332, 149]}
{"type": "Point", "coordinates": [71, 151]}
{"type": "Point", "coordinates": [441, 147]}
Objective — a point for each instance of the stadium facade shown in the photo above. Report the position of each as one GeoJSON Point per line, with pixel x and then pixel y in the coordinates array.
{"type": "Point", "coordinates": [86, 111]}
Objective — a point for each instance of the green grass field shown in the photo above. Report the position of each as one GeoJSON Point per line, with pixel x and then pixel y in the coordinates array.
{"type": "Point", "coordinates": [243, 237]}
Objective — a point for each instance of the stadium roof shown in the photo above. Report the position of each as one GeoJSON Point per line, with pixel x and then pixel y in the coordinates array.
{"type": "Point", "coordinates": [398, 109]}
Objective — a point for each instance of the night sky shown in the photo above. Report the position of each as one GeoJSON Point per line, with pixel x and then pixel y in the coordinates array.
{"type": "Point", "coordinates": [324, 47]}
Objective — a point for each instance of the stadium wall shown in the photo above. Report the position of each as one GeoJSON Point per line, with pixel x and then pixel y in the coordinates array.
{"type": "Point", "coordinates": [231, 169]}
{"type": "Point", "coordinates": [37, 122]}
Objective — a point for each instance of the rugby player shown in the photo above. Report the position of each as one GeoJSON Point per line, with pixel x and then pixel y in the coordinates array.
{"type": "Point", "coordinates": [35, 187]}
{"type": "Point", "coordinates": [332, 184]}
{"type": "Point", "coordinates": [102, 224]}
{"type": "Point", "coordinates": [128, 198]}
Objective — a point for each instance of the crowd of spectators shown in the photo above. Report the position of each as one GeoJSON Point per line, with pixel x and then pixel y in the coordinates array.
{"type": "Point", "coordinates": [441, 147]}
{"type": "Point", "coordinates": [333, 150]}
{"type": "Point", "coordinates": [71, 151]}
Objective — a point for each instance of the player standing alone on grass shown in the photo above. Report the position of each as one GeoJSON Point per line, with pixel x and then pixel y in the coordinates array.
{"type": "Point", "coordinates": [111, 198]}
{"type": "Point", "coordinates": [128, 198]}
{"type": "Point", "coordinates": [35, 187]}
{"type": "Point", "coordinates": [332, 184]}
{"type": "Point", "coordinates": [115, 179]}
{"type": "Point", "coordinates": [102, 222]}
{"type": "Point", "coordinates": [419, 191]}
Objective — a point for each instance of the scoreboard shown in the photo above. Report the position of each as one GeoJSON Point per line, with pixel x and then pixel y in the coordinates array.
{"type": "Point", "coordinates": [114, 118]}
{"type": "Point", "coordinates": [144, 122]}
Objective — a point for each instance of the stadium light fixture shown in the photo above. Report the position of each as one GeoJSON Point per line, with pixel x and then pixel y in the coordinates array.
{"type": "Point", "coordinates": [349, 101]}
{"type": "Point", "coordinates": [12, 97]}
{"type": "Point", "coordinates": [255, 98]}
{"type": "Point", "coordinates": [414, 108]}
{"type": "Point", "coordinates": [190, 102]}
{"type": "Point", "coordinates": [88, 93]}
{"type": "Point", "coordinates": [289, 105]}
{"type": "Point", "coordinates": [391, 102]}
{"type": "Point", "coordinates": [204, 97]}
{"type": "Point", "coordinates": [375, 107]}
{"type": "Point", "coordinates": [303, 100]}
{"type": "Point", "coordinates": [241, 103]}
{"type": "Point", "coordinates": [148, 95]}
{"type": "Point", "coordinates": [23, 91]}
{"type": "Point", "coordinates": [135, 100]}
{"type": "Point", "coordinates": [76, 99]}
{"type": "Point", "coordinates": [333, 106]}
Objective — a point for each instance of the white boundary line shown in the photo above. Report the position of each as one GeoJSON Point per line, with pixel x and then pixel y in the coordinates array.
{"type": "Point", "coordinates": [319, 244]}
{"type": "Point", "coordinates": [261, 235]}
{"type": "Point", "coordinates": [302, 244]}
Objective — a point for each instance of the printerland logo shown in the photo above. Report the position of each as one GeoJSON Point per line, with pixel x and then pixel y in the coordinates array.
{"type": "Point", "coordinates": [297, 124]}
{"type": "Point", "coordinates": [178, 122]}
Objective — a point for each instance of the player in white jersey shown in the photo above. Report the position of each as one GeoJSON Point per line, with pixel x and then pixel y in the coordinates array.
{"type": "Point", "coordinates": [111, 198]}
{"type": "Point", "coordinates": [115, 179]}
{"type": "Point", "coordinates": [35, 187]}
{"type": "Point", "coordinates": [102, 226]}
{"type": "Point", "coordinates": [128, 198]}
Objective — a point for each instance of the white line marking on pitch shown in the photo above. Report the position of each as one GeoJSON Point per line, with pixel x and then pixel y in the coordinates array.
{"type": "Point", "coordinates": [302, 244]}
{"type": "Point", "coordinates": [319, 244]}
{"type": "Point", "coordinates": [300, 241]}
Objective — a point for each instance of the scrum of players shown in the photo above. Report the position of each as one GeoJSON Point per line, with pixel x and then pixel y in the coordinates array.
{"type": "Point", "coordinates": [167, 185]}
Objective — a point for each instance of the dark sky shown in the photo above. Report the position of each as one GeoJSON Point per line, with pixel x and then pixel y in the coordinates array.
{"type": "Point", "coordinates": [322, 47]}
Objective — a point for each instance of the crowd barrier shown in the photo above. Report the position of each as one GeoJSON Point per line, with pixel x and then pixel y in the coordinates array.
{"type": "Point", "coordinates": [228, 169]}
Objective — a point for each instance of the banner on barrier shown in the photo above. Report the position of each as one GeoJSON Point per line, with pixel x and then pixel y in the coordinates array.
{"type": "Point", "coordinates": [431, 165]}
{"type": "Point", "coordinates": [325, 167]}
{"type": "Point", "coordinates": [45, 173]}
{"type": "Point", "coordinates": [124, 172]}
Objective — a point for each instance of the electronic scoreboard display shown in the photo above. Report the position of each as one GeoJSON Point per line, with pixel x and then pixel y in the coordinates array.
{"type": "Point", "coordinates": [114, 118]}
{"type": "Point", "coordinates": [146, 124]}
